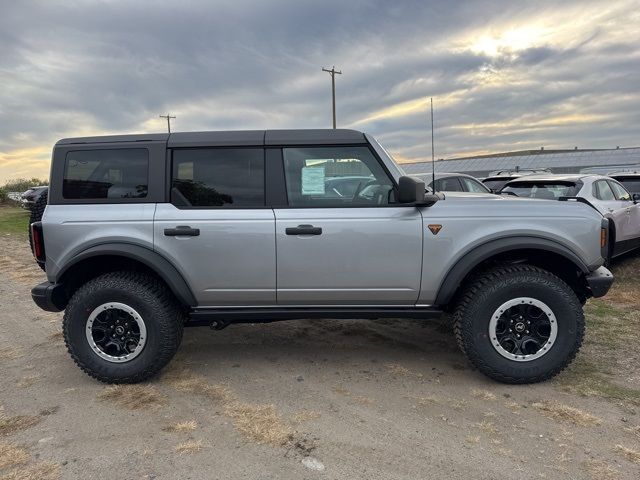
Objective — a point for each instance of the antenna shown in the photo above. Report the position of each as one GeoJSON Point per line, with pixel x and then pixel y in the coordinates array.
{"type": "Point", "coordinates": [433, 154]}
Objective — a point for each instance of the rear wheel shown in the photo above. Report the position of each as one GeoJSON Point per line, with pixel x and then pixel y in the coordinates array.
{"type": "Point", "coordinates": [519, 324]}
{"type": "Point", "coordinates": [122, 327]}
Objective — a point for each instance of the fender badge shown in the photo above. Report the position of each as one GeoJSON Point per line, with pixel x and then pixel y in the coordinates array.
{"type": "Point", "coordinates": [435, 229]}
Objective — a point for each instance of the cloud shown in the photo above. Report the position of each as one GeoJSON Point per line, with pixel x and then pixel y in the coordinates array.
{"type": "Point", "coordinates": [504, 75]}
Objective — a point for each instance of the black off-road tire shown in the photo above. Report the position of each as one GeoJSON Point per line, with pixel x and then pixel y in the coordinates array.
{"type": "Point", "coordinates": [36, 212]}
{"type": "Point", "coordinates": [492, 288]}
{"type": "Point", "coordinates": [160, 311]}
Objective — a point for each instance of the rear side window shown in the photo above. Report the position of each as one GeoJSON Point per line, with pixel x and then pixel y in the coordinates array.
{"type": "Point", "coordinates": [218, 177]}
{"type": "Point", "coordinates": [111, 173]}
{"type": "Point", "coordinates": [541, 190]}
{"type": "Point", "coordinates": [603, 191]}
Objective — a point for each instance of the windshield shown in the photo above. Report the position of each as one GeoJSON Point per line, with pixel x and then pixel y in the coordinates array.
{"type": "Point", "coordinates": [541, 190]}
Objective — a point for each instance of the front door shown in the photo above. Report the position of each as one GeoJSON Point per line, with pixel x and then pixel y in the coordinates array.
{"type": "Point", "coordinates": [630, 231]}
{"type": "Point", "coordinates": [217, 230]}
{"type": "Point", "coordinates": [341, 241]}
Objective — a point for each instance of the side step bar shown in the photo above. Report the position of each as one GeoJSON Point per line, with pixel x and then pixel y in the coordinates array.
{"type": "Point", "coordinates": [224, 316]}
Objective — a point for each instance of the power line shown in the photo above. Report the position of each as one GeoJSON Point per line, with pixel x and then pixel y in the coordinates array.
{"type": "Point", "coordinates": [333, 73]}
{"type": "Point", "coordinates": [168, 117]}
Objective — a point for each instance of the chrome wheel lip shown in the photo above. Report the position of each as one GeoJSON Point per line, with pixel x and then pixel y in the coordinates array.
{"type": "Point", "coordinates": [523, 301]}
{"type": "Point", "coordinates": [137, 318]}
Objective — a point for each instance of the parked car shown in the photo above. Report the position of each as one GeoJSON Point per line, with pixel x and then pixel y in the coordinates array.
{"type": "Point", "coordinates": [31, 196]}
{"type": "Point", "coordinates": [498, 179]}
{"type": "Point", "coordinates": [453, 182]}
{"type": "Point", "coordinates": [607, 195]}
{"type": "Point", "coordinates": [630, 180]}
{"type": "Point", "coordinates": [146, 234]}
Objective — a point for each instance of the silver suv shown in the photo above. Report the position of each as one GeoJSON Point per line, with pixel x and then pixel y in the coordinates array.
{"type": "Point", "coordinates": [146, 234]}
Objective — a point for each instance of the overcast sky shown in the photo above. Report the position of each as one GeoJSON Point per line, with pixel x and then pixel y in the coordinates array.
{"type": "Point", "coordinates": [504, 74]}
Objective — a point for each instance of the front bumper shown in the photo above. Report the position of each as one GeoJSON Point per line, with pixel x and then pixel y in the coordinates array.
{"type": "Point", "coordinates": [50, 297]}
{"type": "Point", "coordinates": [599, 281]}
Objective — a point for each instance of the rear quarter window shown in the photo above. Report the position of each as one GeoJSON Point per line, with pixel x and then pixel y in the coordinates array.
{"type": "Point", "coordinates": [119, 173]}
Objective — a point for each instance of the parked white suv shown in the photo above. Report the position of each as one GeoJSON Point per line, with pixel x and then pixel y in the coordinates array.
{"type": "Point", "coordinates": [607, 195]}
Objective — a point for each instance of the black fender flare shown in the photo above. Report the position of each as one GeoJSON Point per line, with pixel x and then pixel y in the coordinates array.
{"type": "Point", "coordinates": [156, 262]}
{"type": "Point", "coordinates": [456, 275]}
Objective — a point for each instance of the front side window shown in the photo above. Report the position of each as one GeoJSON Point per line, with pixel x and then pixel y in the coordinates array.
{"type": "Point", "coordinates": [218, 177]}
{"type": "Point", "coordinates": [111, 173]}
{"type": "Point", "coordinates": [472, 185]}
{"type": "Point", "coordinates": [335, 177]}
{"type": "Point", "coordinates": [620, 192]}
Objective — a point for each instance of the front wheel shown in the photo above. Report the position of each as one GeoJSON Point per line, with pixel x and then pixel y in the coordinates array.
{"type": "Point", "coordinates": [519, 324]}
{"type": "Point", "coordinates": [122, 327]}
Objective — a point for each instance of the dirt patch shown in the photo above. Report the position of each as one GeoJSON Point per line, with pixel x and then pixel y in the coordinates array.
{"type": "Point", "coordinates": [559, 411]}
{"type": "Point", "coordinates": [133, 397]}
{"type": "Point", "coordinates": [305, 416]}
{"type": "Point", "coordinates": [601, 470]}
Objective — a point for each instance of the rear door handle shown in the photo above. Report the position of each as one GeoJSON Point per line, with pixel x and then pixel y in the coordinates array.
{"type": "Point", "coordinates": [304, 230]}
{"type": "Point", "coordinates": [181, 230]}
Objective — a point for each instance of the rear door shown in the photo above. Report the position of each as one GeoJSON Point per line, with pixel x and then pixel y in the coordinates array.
{"type": "Point", "coordinates": [217, 230]}
{"type": "Point", "coordinates": [359, 249]}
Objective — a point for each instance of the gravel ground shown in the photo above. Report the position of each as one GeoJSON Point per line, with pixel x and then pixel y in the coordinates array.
{"type": "Point", "coordinates": [391, 399]}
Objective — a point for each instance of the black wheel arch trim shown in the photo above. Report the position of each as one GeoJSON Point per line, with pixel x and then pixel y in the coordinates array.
{"type": "Point", "coordinates": [463, 266]}
{"type": "Point", "coordinates": [156, 262]}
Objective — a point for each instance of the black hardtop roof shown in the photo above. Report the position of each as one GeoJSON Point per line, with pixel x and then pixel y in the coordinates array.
{"type": "Point", "coordinates": [227, 138]}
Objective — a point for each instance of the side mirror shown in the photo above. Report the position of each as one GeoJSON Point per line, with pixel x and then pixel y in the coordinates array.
{"type": "Point", "coordinates": [413, 191]}
{"type": "Point", "coordinates": [635, 197]}
{"type": "Point", "coordinates": [410, 190]}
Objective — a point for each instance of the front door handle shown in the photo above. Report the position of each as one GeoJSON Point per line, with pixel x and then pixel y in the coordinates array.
{"type": "Point", "coordinates": [304, 230]}
{"type": "Point", "coordinates": [181, 230]}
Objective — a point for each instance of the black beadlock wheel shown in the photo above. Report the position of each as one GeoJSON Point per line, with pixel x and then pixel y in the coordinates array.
{"type": "Point", "coordinates": [35, 215]}
{"type": "Point", "coordinates": [519, 324]}
{"type": "Point", "coordinates": [123, 327]}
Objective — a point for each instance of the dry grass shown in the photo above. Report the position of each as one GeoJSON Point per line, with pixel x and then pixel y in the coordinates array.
{"type": "Point", "coordinates": [17, 423]}
{"type": "Point", "coordinates": [188, 448]}
{"type": "Point", "coordinates": [485, 426]}
{"type": "Point", "coordinates": [56, 337]}
{"type": "Point", "coordinates": [133, 397]}
{"type": "Point", "coordinates": [472, 439]}
{"type": "Point", "coordinates": [12, 456]}
{"type": "Point", "coordinates": [629, 454]}
{"type": "Point", "coordinates": [340, 390]}
{"type": "Point", "coordinates": [559, 411]}
{"type": "Point", "coordinates": [185, 381]}
{"type": "Point", "coordinates": [600, 470]}
{"type": "Point", "coordinates": [634, 430]}
{"type": "Point", "coordinates": [396, 369]}
{"type": "Point", "coordinates": [10, 353]}
{"type": "Point", "coordinates": [261, 423]}
{"type": "Point", "coordinates": [40, 471]}
{"type": "Point", "coordinates": [364, 400]}
{"type": "Point", "coordinates": [28, 381]}
{"type": "Point", "coordinates": [305, 416]}
{"type": "Point", "coordinates": [181, 427]}
{"type": "Point", "coordinates": [483, 394]}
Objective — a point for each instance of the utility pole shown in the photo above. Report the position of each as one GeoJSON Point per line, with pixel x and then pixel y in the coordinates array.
{"type": "Point", "coordinates": [333, 73]}
{"type": "Point", "coordinates": [168, 117]}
